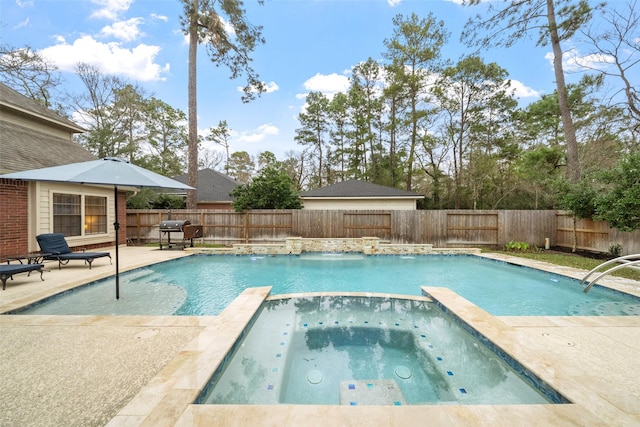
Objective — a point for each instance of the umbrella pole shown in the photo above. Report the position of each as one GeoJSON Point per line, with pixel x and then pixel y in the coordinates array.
{"type": "Point", "coordinates": [116, 226]}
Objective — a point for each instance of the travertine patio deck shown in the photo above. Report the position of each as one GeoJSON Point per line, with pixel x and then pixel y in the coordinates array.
{"type": "Point", "coordinates": [147, 370]}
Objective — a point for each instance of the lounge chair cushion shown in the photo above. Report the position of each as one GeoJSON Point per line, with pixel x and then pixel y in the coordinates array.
{"type": "Point", "coordinates": [53, 243]}
{"type": "Point", "coordinates": [8, 270]}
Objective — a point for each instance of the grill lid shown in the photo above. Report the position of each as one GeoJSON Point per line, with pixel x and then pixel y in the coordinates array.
{"type": "Point", "coordinates": [175, 224]}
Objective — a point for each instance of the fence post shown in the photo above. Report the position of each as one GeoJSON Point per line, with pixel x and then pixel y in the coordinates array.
{"type": "Point", "coordinates": [138, 227]}
{"type": "Point", "coordinates": [246, 227]}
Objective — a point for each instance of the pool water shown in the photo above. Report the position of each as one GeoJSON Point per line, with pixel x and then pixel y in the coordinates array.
{"type": "Point", "coordinates": [205, 285]}
{"type": "Point", "coordinates": [363, 351]}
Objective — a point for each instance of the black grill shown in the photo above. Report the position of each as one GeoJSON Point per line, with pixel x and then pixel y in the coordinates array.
{"type": "Point", "coordinates": [173, 225]}
{"type": "Point", "coordinates": [179, 226]}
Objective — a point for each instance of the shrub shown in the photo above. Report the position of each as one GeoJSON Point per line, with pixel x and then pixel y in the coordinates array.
{"type": "Point", "coordinates": [615, 250]}
{"type": "Point", "coordinates": [516, 246]}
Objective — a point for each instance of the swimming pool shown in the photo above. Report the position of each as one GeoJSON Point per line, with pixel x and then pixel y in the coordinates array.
{"type": "Point", "coordinates": [355, 350]}
{"type": "Point", "coordinates": [206, 284]}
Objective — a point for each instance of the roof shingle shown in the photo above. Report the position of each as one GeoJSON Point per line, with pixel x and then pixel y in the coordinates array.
{"type": "Point", "coordinates": [213, 186]}
{"type": "Point", "coordinates": [34, 137]}
{"type": "Point", "coordinates": [354, 188]}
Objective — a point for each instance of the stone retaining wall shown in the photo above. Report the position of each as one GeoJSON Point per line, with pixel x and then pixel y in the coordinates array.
{"type": "Point", "coordinates": [298, 245]}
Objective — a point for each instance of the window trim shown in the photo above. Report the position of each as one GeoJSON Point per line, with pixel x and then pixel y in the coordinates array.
{"type": "Point", "coordinates": [83, 216]}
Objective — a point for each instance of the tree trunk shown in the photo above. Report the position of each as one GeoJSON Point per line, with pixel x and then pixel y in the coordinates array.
{"type": "Point", "coordinates": [574, 244]}
{"type": "Point", "coordinates": [573, 162]}
{"type": "Point", "coordinates": [192, 166]}
{"type": "Point", "coordinates": [412, 147]}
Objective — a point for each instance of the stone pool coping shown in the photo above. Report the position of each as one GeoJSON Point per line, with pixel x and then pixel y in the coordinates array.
{"type": "Point", "coordinates": [151, 378]}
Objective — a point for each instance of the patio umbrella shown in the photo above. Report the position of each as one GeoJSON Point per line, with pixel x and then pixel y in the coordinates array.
{"type": "Point", "coordinates": [106, 171]}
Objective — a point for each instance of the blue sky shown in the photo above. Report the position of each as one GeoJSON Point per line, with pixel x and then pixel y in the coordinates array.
{"type": "Point", "coordinates": [311, 45]}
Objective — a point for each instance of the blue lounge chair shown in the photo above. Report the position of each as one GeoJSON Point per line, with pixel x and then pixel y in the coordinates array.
{"type": "Point", "coordinates": [7, 271]}
{"type": "Point", "coordinates": [56, 248]}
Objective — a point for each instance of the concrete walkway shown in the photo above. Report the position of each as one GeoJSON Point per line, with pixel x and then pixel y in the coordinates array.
{"type": "Point", "coordinates": [145, 370]}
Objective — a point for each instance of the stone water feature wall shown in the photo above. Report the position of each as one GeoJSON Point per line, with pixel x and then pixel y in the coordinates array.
{"type": "Point", "coordinates": [298, 245]}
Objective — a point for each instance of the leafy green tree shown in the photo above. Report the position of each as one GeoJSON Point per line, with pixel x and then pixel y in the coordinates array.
{"type": "Point", "coordinates": [166, 137]}
{"type": "Point", "coordinates": [314, 129]}
{"type": "Point", "coordinates": [339, 127]}
{"type": "Point", "coordinates": [579, 199]}
{"type": "Point", "coordinates": [540, 122]}
{"type": "Point", "coordinates": [240, 166]}
{"type": "Point", "coordinates": [203, 22]}
{"type": "Point", "coordinates": [271, 189]}
{"type": "Point", "coordinates": [359, 134]}
{"type": "Point", "coordinates": [266, 159]}
{"type": "Point", "coordinates": [394, 99]}
{"type": "Point", "coordinates": [141, 199]}
{"type": "Point", "coordinates": [149, 198]}
{"type": "Point", "coordinates": [366, 106]}
{"type": "Point", "coordinates": [538, 169]}
{"type": "Point", "coordinates": [556, 21]}
{"type": "Point", "coordinates": [416, 46]}
{"type": "Point", "coordinates": [620, 206]}
{"type": "Point", "coordinates": [476, 104]}
{"type": "Point", "coordinates": [168, 201]}
{"type": "Point", "coordinates": [127, 111]}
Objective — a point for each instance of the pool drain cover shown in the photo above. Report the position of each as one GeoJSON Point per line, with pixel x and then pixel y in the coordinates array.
{"type": "Point", "coordinates": [315, 377]}
{"type": "Point", "coordinates": [403, 372]}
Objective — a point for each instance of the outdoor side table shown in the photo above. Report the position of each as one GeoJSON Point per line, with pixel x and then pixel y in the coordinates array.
{"type": "Point", "coordinates": [28, 258]}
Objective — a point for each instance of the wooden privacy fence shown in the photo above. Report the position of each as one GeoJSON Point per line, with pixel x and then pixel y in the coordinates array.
{"type": "Point", "coordinates": [595, 236]}
{"type": "Point", "coordinates": [441, 228]}
{"type": "Point", "coordinates": [444, 228]}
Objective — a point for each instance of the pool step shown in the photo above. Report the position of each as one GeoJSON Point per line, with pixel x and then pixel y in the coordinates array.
{"type": "Point", "coordinates": [371, 392]}
{"type": "Point", "coordinates": [143, 275]}
{"type": "Point", "coordinates": [589, 308]}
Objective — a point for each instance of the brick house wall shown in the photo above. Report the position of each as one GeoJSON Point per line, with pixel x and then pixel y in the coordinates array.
{"type": "Point", "coordinates": [14, 205]}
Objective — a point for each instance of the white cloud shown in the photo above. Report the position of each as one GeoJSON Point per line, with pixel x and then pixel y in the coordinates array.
{"type": "Point", "coordinates": [522, 91]}
{"type": "Point", "coordinates": [256, 135]}
{"type": "Point", "coordinates": [573, 61]}
{"type": "Point", "coordinates": [123, 30]}
{"type": "Point", "coordinates": [331, 83]}
{"type": "Point", "coordinates": [393, 3]}
{"type": "Point", "coordinates": [110, 8]}
{"type": "Point", "coordinates": [327, 84]}
{"type": "Point", "coordinates": [155, 16]}
{"type": "Point", "coordinates": [22, 3]}
{"type": "Point", "coordinates": [136, 63]}
{"type": "Point", "coordinates": [24, 23]}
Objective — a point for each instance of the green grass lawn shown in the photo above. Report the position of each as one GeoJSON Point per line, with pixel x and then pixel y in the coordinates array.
{"type": "Point", "coordinates": [572, 260]}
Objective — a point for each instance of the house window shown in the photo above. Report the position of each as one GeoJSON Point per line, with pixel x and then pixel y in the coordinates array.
{"type": "Point", "coordinates": [95, 215]}
{"type": "Point", "coordinates": [77, 215]}
{"type": "Point", "coordinates": [67, 215]}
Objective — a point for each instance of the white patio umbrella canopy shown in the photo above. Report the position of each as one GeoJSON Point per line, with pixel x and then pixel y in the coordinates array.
{"type": "Point", "coordinates": [106, 171]}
